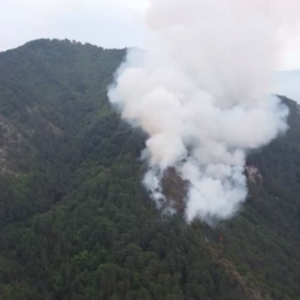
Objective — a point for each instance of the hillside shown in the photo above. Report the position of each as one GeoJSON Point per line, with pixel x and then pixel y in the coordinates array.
{"type": "Point", "coordinates": [77, 224]}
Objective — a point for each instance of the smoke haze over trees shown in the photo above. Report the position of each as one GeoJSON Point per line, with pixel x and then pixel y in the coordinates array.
{"type": "Point", "coordinates": [201, 93]}
{"type": "Point", "coordinates": [76, 223]}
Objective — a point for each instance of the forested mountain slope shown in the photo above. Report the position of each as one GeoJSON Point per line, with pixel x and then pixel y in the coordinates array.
{"type": "Point", "coordinates": [76, 222]}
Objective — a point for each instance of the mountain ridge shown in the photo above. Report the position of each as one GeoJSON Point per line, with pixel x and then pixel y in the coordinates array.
{"type": "Point", "coordinates": [76, 223]}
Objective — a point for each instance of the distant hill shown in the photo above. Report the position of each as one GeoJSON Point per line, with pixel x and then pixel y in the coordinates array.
{"type": "Point", "coordinates": [76, 222]}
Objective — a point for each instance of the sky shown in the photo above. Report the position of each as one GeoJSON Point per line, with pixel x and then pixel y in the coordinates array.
{"type": "Point", "coordinates": [106, 23]}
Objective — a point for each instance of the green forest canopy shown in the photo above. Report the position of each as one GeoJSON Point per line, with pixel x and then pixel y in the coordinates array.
{"type": "Point", "coordinates": [76, 222]}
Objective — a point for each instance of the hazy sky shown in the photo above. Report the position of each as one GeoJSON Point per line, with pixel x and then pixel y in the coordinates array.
{"type": "Point", "coordinates": [107, 23]}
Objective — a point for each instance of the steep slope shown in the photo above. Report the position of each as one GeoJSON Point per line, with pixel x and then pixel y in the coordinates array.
{"type": "Point", "coordinates": [76, 222]}
{"type": "Point", "coordinates": [48, 92]}
{"type": "Point", "coordinates": [74, 215]}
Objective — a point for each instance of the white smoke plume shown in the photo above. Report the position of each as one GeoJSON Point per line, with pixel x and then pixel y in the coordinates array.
{"type": "Point", "coordinates": [201, 92]}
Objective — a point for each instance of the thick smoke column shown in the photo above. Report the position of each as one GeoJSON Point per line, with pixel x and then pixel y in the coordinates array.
{"type": "Point", "coordinates": [201, 92]}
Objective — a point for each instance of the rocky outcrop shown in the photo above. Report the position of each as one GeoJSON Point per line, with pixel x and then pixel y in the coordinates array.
{"type": "Point", "coordinates": [174, 188]}
{"type": "Point", "coordinates": [253, 174]}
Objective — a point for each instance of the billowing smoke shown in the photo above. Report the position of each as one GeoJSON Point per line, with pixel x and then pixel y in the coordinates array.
{"type": "Point", "coordinates": [201, 92]}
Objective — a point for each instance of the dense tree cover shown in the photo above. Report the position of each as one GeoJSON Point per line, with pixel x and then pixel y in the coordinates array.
{"type": "Point", "coordinates": [76, 222]}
